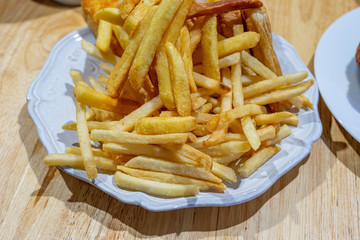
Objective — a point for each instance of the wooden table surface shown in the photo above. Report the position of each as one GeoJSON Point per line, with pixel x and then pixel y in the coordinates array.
{"type": "Point", "coordinates": [318, 199]}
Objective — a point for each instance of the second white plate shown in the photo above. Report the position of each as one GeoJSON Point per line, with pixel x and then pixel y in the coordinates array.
{"type": "Point", "coordinates": [336, 71]}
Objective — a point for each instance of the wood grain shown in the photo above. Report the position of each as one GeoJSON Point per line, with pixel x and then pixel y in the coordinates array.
{"type": "Point", "coordinates": [318, 199]}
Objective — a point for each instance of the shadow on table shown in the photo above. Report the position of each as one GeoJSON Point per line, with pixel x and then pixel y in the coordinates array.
{"type": "Point", "coordinates": [30, 9]}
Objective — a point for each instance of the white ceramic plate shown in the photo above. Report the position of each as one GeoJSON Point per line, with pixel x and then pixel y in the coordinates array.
{"type": "Point", "coordinates": [51, 104]}
{"type": "Point", "coordinates": [336, 71]}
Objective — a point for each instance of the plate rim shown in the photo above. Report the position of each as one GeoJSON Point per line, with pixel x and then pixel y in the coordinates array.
{"type": "Point", "coordinates": [177, 203]}
{"type": "Point", "coordinates": [339, 118]}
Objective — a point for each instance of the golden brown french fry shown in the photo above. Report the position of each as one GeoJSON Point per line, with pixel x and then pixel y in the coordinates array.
{"type": "Point", "coordinates": [162, 67]}
{"type": "Point", "coordinates": [226, 104]}
{"type": "Point", "coordinates": [96, 152]}
{"type": "Point", "coordinates": [247, 80]}
{"type": "Point", "coordinates": [257, 160]}
{"type": "Point", "coordinates": [93, 98]}
{"type": "Point", "coordinates": [283, 132]}
{"type": "Point", "coordinates": [148, 150]}
{"type": "Point", "coordinates": [297, 101]}
{"type": "Point", "coordinates": [238, 43]}
{"type": "Point", "coordinates": [102, 78]}
{"type": "Point", "coordinates": [76, 161]}
{"type": "Point", "coordinates": [255, 65]}
{"type": "Point", "coordinates": [209, 42]}
{"type": "Point", "coordinates": [307, 102]}
{"type": "Point", "coordinates": [165, 125]}
{"type": "Point", "coordinates": [186, 55]}
{"type": "Point", "coordinates": [90, 114]}
{"type": "Point", "coordinates": [118, 75]}
{"type": "Point", "coordinates": [104, 36]}
{"type": "Point", "coordinates": [126, 7]}
{"type": "Point", "coordinates": [195, 35]}
{"type": "Point", "coordinates": [224, 172]}
{"type": "Point", "coordinates": [125, 137]}
{"type": "Point", "coordinates": [121, 35]}
{"type": "Point", "coordinates": [250, 132]}
{"type": "Point", "coordinates": [155, 164]}
{"type": "Point", "coordinates": [96, 85]}
{"type": "Point", "coordinates": [91, 125]}
{"type": "Point", "coordinates": [179, 80]}
{"type": "Point", "coordinates": [197, 102]}
{"type": "Point", "coordinates": [275, 83]}
{"type": "Point", "coordinates": [236, 83]}
{"type": "Point", "coordinates": [239, 112]}
{"type": "Point", "coordinates": [272, 118]}
{"type": "Point", "coordinates": [93, 51]}
{"type": "Point", "coordinates": [225, 160]}
{"type": "Point", "coordinates": [106, 68]}
{"type": "Point", "coordinates": [128, 122]}
{"type": "Point", "coordinates": [205, 108]}
{"type": "Point", "coordinates": [210, 84]}
{"type": "Point", "coordinates": [111, 15]}
{"type": "Point", "coordinates": [227, 148]}
{"type": "Point", "coordinates": [84, 141]}
{"type": "Point", "coordinates": [77, 77]}
{"type": "Point", "coordinates": [224, 62]}
{"type": "Point", "coordinates": [154, 187]}
{"type": "Point", "coordinates": [147, 49]}
{"type": "Point", "coordinates": [189, 152]}
{"type": "Point", "coordinates": [171, 178]}
{"type": "Point", "coordinates": [137, 15]}
{"type": "Point", "coordinates": [281, 94]}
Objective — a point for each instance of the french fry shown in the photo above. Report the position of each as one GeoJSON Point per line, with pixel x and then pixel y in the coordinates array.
{"type": "Point", "coordinates": [250, 132]}
{"type": "Point", "coordinates": [171, 178]}
{"type": "Point", "coordinates": [275, 83]}
{"type": "Point", "coordinates": [146, 52]}
{"type": "Point", "coordinates": [155, 164]}
{"type": "Point", "coordinates": [197, 102]}
{"type": "Point", "coordinates": [225, 160]}
{"type": "Point", "coordinates": [91, 125]}
{"type": "Point", "coordinates": [148, 150]}
{"type": "Point", "coordinates": [272, 118]}
{"type": "Point", "coordinates": [121, 159]}
{"type": "Point", "coordinates": [162, 66]}
{"type": "Point", "coordinates": [96, 151]}
{"type": "Point", "coordinates": [137, 14]}
{"type": "Point", "coordinates": [125, 137]}
{"type": "Point", "coordinates": [281, 94]}
{"type": "Point", "coordinates": [84, 141]}
{"type": "Point", "coordinates": [76, 161]}
{"type": "Point", "coordinates": [179, 80]}
{"type": "Point", "coordinates": [118, 75]}
{"type": "Point", "coordinates": [210, 60]}
{"type": "Point", "coordinates": [126, 7]}
{"type": "Point", "coordinates": [205, 108]}
{"type": "Point", "coordinates": [224, 172]}
{"type": "Point", "coordinates": [247, 80]}
{"type": "Point", "coordinates": [227, 148]}
{"type": "Point", "coordinates": [255, 65]}
{"type": "Point", "coordinates": [90, 114]}
{"type": "Point", "coordinates": [238, 43]}
{"type": "Point", "coordinates": [236, 83]}
{"type": "Point", "coordinates": [77, 77]}
{"type": "Point", "coordinates": [256, 161]}
{"type": "Point", "coordinates": [195, 35]}
{"type": "Point", "coordinates": [128, 122]}
{"type": "Point", "coordinates": [121, 35]}
{"type": "Point", "coordinates": [189, 152]}
{"type": "Point", "coordinates": [239, 112]}
{"type": "Point", "coordinates": [283, 132]}
{"type": "Point", "coordinates": [111, 15]}
{"type": "Point", "coordinates": [186, 55]}
{"type": "Point", "coordinates": [165, 125]}
{"type": "Point", "coordinates": [96, 85]}
{"type": "Point", "coordinates": [154, 187]}
{"type": "Point", "coordinates": [102, 78]}
{"type": "Point", "coordinates": [210, 84]}
{"type": "Point", "coordinates": [93, 98]}
{"type": "Point", "coordinates": [106, 68]}
{"type": "Point", "coordinates": [104, 36]}
{"type": "Point", "coordinates": [307, 102]}
{"type": "Point", "coordinates": [226, 104]}
{"type": "Point", "coordinates": [93, 51]}
{"type": "Point", "coordinates": [224, 62]}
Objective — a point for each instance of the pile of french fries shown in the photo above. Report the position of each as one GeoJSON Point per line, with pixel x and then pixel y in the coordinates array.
{"type": "Point", "coordinates": [185, 105]}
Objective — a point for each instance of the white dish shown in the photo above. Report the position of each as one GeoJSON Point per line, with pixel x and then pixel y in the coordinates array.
{"type": "Point", "coordinates": [336, 71]}
{"type": "Point", "coordinates": [51, 104]}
